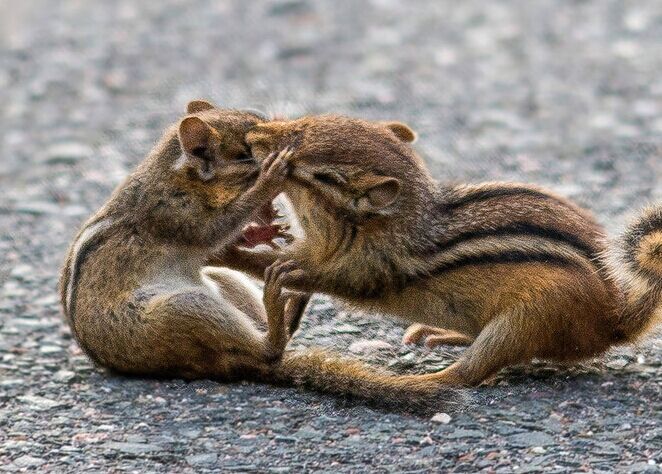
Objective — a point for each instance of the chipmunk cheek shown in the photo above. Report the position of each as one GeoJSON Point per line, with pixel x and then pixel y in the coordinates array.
{"type": "Point", "coordinates": [258, 152]}
{"type": "Point", "coordinates": [260, 142]}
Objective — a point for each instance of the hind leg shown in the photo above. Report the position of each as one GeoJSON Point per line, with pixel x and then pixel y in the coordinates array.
{"type": "Point", "coordinates": [190, 333]}
{"type": "Point", "coordinates": [238, 289]}
{"type": "Point", "coordinates": [434, 336]}
{"type": "Point", "coordinates": [502, 342]}
{"type": "Point", "coordinates": [285, 307]}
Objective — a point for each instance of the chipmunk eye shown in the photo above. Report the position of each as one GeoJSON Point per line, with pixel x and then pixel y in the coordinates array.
{"type": "Point", "coordinates": [328, 178]}
{"type": "Point", "coordinates": [244, 157]}
{"type": "Point", "coordinates": [200, 152]}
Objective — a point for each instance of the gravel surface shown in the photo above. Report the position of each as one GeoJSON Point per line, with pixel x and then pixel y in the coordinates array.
{"type": "Point", "coordinates": [557, 92]}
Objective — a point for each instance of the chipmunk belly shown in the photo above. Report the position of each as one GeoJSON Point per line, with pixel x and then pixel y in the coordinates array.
{"type": "Point", "coordinates": [439, 302]}
{"type": "Point", "coordinates": [115, 282]}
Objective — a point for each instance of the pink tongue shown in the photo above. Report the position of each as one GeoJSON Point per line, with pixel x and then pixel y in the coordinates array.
{"type": "Point", "coordinates": [264, 231]}
{"type": "Point", "coordinates": [255, 234]}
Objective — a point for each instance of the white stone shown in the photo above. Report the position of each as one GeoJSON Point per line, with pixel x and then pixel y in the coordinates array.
{"type": "Point", "coordinates": [28, 461]}
{"type": "Point", "coordinates": [50, 350]}
{"type": "Point", "coordinates": [64, 376]}
{"type": "Point", "coordinates": [369, 345]}
{"type": "Point", "coordinates": [443, 418]}
{"type": "Point", "coordinates": [40, 403]}
{"type": "Point", "coordinates": [68, 153]}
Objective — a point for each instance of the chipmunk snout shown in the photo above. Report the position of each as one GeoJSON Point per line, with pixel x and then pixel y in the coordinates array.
{"type": "Point", "coordinates": [258, 142]}
{"type": "Point", "coordinates": [264, 138]}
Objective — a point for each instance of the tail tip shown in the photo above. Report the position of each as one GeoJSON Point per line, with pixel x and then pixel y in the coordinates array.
{"type": "Point", "coordinates": [649, 252]}
{"type": "Point", "coordinates": [641, 244]}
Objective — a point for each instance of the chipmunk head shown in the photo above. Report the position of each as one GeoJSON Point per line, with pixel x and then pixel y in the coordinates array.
{"type": "Point", "coordinates": [362, 167]}
{"type": "Point", "coordinates": [212, 144]}
{"type": "Point", "coordinates": [200, 166]}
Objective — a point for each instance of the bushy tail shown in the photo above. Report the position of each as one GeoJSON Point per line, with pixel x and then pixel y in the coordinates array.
{"type": "Point", "coordinates": [325, 372]}
{"type": "Point", "coordinates": [636, 265]}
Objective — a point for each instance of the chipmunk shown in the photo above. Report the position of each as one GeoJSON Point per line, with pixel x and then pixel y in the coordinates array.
{"type": "Point", "coordinates": [139, 299]}
{"type": "Point", "coordinates": [511, 270]}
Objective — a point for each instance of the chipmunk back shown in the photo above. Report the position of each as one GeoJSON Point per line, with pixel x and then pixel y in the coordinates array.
{"type": "Point", "coordinates": [511, 270]}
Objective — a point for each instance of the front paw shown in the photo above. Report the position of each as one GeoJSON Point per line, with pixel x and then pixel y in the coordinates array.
{"type": "Point", "coordinates": [284, 308]}
{"type": "Point", "coordinates": [282, 233]}
{"type": "Point", "coordinates": [274, 171]}
{"type": "Point", "coordinates": [289, 274]}
{"type": "Point", "coordinates": [294, 309]}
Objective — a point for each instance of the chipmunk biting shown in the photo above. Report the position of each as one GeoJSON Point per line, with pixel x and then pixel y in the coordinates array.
{"type": "Point", "coordinates": [140, 298]}
{"type": "Point", "coordinates": [513, 271]}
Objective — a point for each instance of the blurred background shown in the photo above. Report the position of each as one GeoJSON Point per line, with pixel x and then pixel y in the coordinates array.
{"type": "Point", "coordinates": [562, 93]}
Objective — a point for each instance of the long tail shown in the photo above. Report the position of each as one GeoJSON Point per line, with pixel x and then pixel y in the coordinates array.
{"type": "Point", "coordinates": [636, 265]}
{"type": "Point", "coordinates": [326, 372]}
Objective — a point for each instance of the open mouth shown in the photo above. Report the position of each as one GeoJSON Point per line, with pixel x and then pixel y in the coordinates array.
{"type": "Point", "coordinates": [265, 230]}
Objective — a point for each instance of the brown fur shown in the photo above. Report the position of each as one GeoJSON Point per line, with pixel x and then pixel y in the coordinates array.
{"type": "Point", "coordinates": [515, 268]}
{"type": "Point", "coordinates": [139, 301]}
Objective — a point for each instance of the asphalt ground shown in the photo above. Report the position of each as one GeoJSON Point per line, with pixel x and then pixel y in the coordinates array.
{"type": "Point", "coordinates": [566, 94]}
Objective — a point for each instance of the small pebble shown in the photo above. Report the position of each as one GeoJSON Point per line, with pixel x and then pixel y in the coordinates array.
{"type": "Point", "coordinates": [64, 376]}
{"type": "Point", "coordinates": [28, 461]}
{"type": "Point", "coordinates": [367, 346]}
{"type": "Point", "coordinates": [443, 418]}
{"type": "Point", "coordinates": [206, 459]}
{"type": "Point", "coordinates": [67, 153]}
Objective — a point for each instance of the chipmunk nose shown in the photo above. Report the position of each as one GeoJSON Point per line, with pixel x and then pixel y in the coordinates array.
{"type": "Point", "coordinates": [260, 132]}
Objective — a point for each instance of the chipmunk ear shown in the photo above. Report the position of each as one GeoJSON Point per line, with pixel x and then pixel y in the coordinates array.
{"type": "Point", "coordinates": [198, 141]}
{"type": "Point", "coordinates": [195, 137]}
{"type": "Point", "coordinates": [402, 131]}
{"type": "Point", "coordinates": [381, 193]}
{"type": "Point", "coordinates": [198, 106]}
